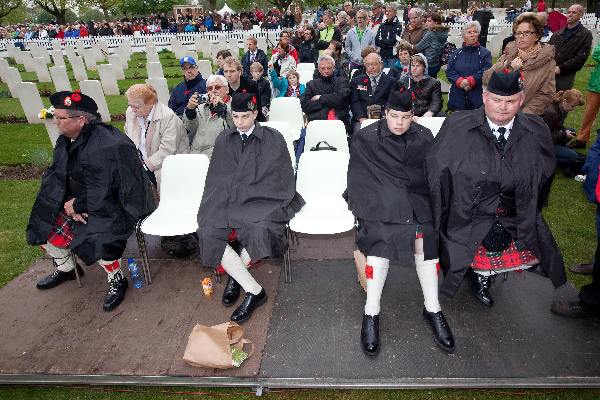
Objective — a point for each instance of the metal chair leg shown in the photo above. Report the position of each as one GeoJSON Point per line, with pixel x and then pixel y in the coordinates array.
{"type": "Point", "coordinates": [143, 251]}
{"type": "Point", "coordinates": [76, 270]}
{"type": "Point", "coordinates": [287, 261]}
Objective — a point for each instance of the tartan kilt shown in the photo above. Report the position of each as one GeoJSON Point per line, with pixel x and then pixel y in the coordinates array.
{"type": "Point", "coordinates": [510, 258]}
{"type": "Point", "coordinates": [62, 232]}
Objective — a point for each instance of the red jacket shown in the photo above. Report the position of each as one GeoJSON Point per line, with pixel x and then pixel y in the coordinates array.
{"type": "Point", "coordinates": [83, 31]}
{"type": "Point", "coordinates": [541, 6]}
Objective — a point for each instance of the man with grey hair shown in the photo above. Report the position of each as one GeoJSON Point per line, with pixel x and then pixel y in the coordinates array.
{"type": "Point", "coordinates": [327, 97]}
{"type": "Point", "coordinates": [358, 39]}
{"type": "Point", "coordinates": [91, 197]}
{"type": "Point", "coordinates": [369, 92]}
{"type": "Point", "coordinates": [572, 46]}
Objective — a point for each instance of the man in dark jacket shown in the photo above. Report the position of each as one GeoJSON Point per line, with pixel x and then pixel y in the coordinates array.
{"type": "Point", "coordinates": [254, 54]}
{"type": "Point", "coordinates": [369, 91]}
{"type": "Point", "coordinates": [232, 69]}
{"type": "Point", "coordinates": [572, 46]}
{"type": "Point", "coordinates": [489, 175]}
{"type": "Point", "coordinates": [386, 36]}
{"type": "Point", "coordinates": [192, 83]}
{"type": "Point", "coordinates": [388, 194]}
{"type": "Point", "coordinates": [249, 194]}
{"type": "Point", "coordinates": [327, 97]}
{"type": "Point", "coordinates": [91, 197]}
{"type": "Point", "coordinates": [308, 50]}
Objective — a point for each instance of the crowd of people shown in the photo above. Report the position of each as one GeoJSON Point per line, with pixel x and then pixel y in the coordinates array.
{"type": "Point", "coordinates": [470, 198]}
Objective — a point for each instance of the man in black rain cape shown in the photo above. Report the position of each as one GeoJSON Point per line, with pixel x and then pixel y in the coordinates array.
{"type": "Point", "coordinates": [91, 196]}
{"type": "Point", "coordinates": [250, 194]}
{"type": "Point", "coordinates": [388, 194]}
{"type": "Point", "coordinates": [489, 174]}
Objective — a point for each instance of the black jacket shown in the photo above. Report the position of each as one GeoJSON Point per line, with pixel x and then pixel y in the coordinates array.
{"type": "Point", "coordinates": [261, 58]}
{"type": "Point", "coordinates": [386, 37]}
{"type": "Point", "coordinates": [363, 96]}
{"type": "Point", "coordinates": [466, 175]}
{"type": "Point", "coordinates": [308, 50]}
{"type": "Point", "coordinates": [571, 54]}
{"type": "Point", "coordinates": [426, 94]}
{"type": "Point", "coordinates": [101, 169]}
{"type": "Point", "coordinates": [249, 86]}
{"type": "Point", "coordinates": [335, 93]}
{"type": "Point", "coordinates": [264, 91]}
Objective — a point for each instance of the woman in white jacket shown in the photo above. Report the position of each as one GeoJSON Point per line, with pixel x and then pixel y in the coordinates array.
{"type": "Point", "coordinates": [154, 128]}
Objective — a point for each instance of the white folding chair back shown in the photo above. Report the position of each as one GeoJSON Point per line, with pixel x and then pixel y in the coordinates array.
{"type": "Point", "coordinates": [181, 189]}
{"type": "Point", "coordinates": [433, 123]}
{"type": "Point", "coordinates": [305, 76]}
{"type": "Point", "coordinates": [305, 67]}
{"type": "Point", "coordinates": [367, 122]}
{"type": "Point", "coordinates": [288, 109]}
{"type": "Point", "coordinates": [321, 180]}
{"type": "Point", "coordinates": [331, 131]}
{"type": "Point", "coordinates": [286, 131]}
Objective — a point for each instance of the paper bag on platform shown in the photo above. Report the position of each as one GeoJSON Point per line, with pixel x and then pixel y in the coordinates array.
{"type": "Point", "coordinates": [361, 261]}
{"type": "Point", "coordinates": [211, 346]}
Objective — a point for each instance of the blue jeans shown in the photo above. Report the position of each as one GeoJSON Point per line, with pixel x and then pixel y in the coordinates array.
{"type": "Point", "coordinates": [565, 156]}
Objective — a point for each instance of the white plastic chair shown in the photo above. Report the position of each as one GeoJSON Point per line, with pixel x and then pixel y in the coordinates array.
{"type": "Point", "coordinates": [286, 131]}
{"type": "Point", "coordinates": [367, 122]}
{"type": "Point", "coordinates": [305, 67]}
{"type": "Point", "coordinates": [321, 180]}
{"type": "Point", "coordinates": [331, 131]}
{"type": "Point", "coordinates": [305, 76]}
{"type": "Point", "coordinates": [181, 188]}
{"type": "Point", "coordinates": [288, 109]}
{"type": "Point", "coordinates": [433, 123]}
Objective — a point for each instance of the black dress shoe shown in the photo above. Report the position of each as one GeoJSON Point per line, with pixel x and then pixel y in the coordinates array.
{"type": "Point", "coordinates": [442, 335]}
{"type": "Point", "coordinates": [58, 277]}
{"type": "Point", "coordinates": [250, 303]}
{"type": "Point", "coordinates": [117, 287]}
{"type": "Point", "coordinates": [369, 335]}
{"type": "Point", "coordinates": [480, 285]}
{"type": "Point", "coordinates": [231, 292]}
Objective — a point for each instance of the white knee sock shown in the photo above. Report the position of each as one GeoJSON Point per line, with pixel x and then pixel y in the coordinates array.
{"type": "Point", "coordinates": [376, 271]}
{"type": "Point", "coordinates": [112, 268]}
{"type": "Point", "coordinates": [428, 278]}
{"type": "Point", "coordinates": [62, 257]}
{"type": "Point", "coordinates": [245, 257]}
{"type": "Point", "coordinates": [235, 267]}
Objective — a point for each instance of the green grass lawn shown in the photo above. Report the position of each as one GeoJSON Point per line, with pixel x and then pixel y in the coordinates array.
{"type": "Point", "coordinates": [569, 215]}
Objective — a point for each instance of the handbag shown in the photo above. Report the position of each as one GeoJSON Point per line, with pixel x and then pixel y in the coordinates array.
{"type": "Point", "coordinates": [219, 346]}
{"type": "Point", "coordinates": [327, 146]}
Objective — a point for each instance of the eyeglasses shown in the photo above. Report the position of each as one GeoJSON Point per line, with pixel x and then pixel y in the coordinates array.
{"type": "Point", "coordinates": [524, 33]}
{"type": "Point", "coordinates": [217, 87]}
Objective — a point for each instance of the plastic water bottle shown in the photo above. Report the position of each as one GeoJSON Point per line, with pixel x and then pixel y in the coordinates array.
{"type": "Point", "coordinates": [134, 272]}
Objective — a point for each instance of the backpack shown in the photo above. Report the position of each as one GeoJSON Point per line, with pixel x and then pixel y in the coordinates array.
{"type": "Point", "coordinates": [448, 49]}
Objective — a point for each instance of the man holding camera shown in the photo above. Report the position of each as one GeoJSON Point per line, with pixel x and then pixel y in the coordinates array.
{"type": "Point", "coordinates": [192, 83]}
{"type": "Point", "coordinates": [208, 115]}
{"type": "Point", "coordinates": [369, 92]}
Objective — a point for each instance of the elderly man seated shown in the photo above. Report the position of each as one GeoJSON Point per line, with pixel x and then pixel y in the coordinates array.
{"type": "Point", "coordinates": [369, 92]}
{"type": "Point", "coordinates": [206, 117]}
{"type": "Point", "coordinates": [91, 196]}
{"type": "Point", "coordinates": [250, 195]}
{"type": "Point", "coordinates": [327, 97]}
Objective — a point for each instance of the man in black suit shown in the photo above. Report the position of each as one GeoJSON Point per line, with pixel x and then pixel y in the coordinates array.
{"type": "Point", "coordinates": [369, 90]}
{"type": "Point", "coordinates": [254, 54]}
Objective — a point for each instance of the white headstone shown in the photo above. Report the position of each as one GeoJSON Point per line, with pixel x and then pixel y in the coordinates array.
{"type": "Point", "coordinates": [109, 82]}
{"type": "Point", "coordinates": [152, 56]}
{"type": "Point", "coordinates": [79, 69]}
{"type": "Point", "coordinates": [179, 51]}
{"type": "Point", "coordinates": [123, 56]}
{"type": "Point", "coordinates": [127, 46]}
{"type": "Point", "coordinates": [103, 45]}
{"type": "Point", "coordinates": [161, 87]}
{"type": "Point", "coordinates": [205, 68]}
{"type": "Point", "coordinates": [60, 78]}
{"type": "Point", "coordinates": [151, 49]}
{"type": "Point", "coordinates": [27, 61]}
{"type": "Point", "coordinates": [52, 130]}
{"type": "Point", "coordinates": [80, 47]}
{"type": "Point", "coordinates": [56, 45]}
{"type": "Point", "coordinates": [154, 70]}
{"type": "Point", "coordinates": [190, 53]}
{"type": "Point", "coordinates": [98, 53]}
{"type": "Point", "coordinates": [43, 52]}
{"type": "Point", "coordinates": [3, 69]}
{"type": "Point", "coordinates": [94, 90]}
{"type": "Point", "coordinates": [89, 55]}
{"type": "Point", "coordinates": [30, 100]}
{"type": "Point", "coordinates": [13, 80]}
{"type": "Point", "coordinates": [115, 61]}
{"type": "Point", "coordinates": [150, 41]}
{"type": "Point", "coordinates": [70, 53]}
{"type": "Point", "coordinates": [41, 69]}
{"type": "Point", "coordinates": [57, 58]}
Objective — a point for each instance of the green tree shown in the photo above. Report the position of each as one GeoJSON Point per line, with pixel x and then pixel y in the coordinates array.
{"type": "Point", "coordinates": [105, 5]}
{"type": "Point", "coordinates": [56, 8]}
{"type": "Point", "coordinates": [144, 7]}
{"type": "Point", "coordinates": [8, 6]}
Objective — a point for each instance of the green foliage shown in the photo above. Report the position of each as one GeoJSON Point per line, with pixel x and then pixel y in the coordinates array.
{"type": "Point", "coordinates": [90, 14]}
{"type": "Point", "coordinates": [44, 17]}
{"type": "Point", "coordinates": [145, 7]}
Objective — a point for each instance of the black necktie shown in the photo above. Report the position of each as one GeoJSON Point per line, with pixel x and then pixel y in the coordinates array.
{"type": "Point", "coordinates": [501, 138]}
{"type": "Point", "coordinates": [373, 84]}
{"type": "Point", "coordinates": [252, 57]}
{"type": "Point", "coordinates": [244, 139]}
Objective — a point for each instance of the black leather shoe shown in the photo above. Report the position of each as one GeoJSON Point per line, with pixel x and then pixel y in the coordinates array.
{"type": "Point", "coordinates": [231, 292]}
{"type": "Point", "coordinates": [369, 335]}
{"type": "Point", "coordinates": [250, 303]}
{"type": "Point", "coordinates": [58, 277]}
{"type": "Point", "coordinates": [480, 285]}
{"type": "Point", "coordinates": [117, 287]}
{"type": "Point", "coordinates": [442, 335]}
